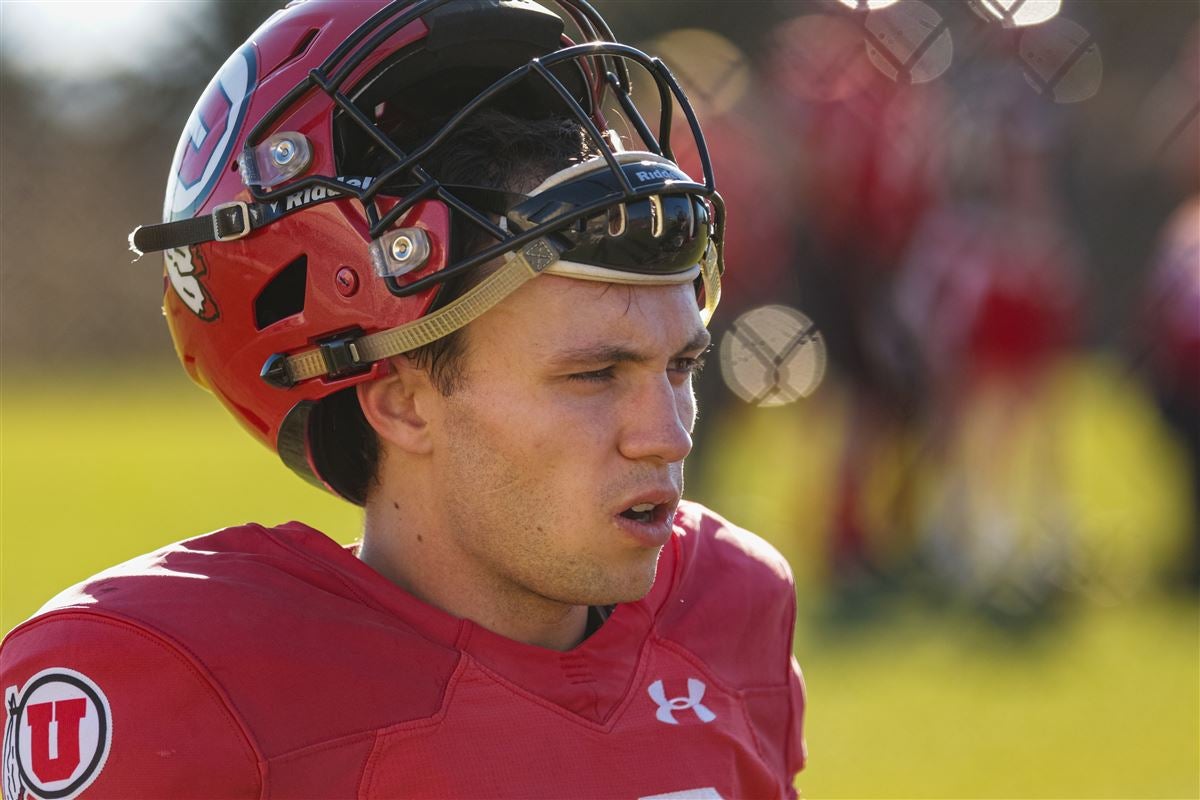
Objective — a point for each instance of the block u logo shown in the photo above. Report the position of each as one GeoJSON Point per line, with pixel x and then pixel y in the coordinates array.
{"type": "Point", "coordinates": [54, 738]}
{"type": "Point", "coordinates": [57, 736]}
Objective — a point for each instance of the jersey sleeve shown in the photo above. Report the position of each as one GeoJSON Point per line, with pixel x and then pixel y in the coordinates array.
{"type": "Point", "coordinates": [734, 608]}
{"type": "Point", "coordinates": [99, 703]}
{"type": "Point", "coordinates": [797, 751]}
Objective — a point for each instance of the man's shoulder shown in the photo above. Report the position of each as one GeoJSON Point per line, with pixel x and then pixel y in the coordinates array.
{"type": "Point", "coordinates": [281, 626]}
{"type": "Point", "coordinates": [731, 594]}
{"type": "Point", "coordinates": [228, 566]}
{"type": "Point", "coordinates": [718, 550]}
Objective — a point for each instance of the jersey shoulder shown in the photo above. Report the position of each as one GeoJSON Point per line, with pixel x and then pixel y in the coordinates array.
{"type": "Point", "coordinates": [266, 623]}
{"type": "Point", "coordinates": [88, 696]}
{"type": "Point", "coordinates": [713, 544]}
{"type": "Point", "coordinates": [732, 608]}
{"type": "Point", "coordinates": [732, 593]}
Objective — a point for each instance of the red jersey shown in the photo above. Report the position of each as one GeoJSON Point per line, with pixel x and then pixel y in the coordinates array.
{"type": "Point", "coordinates": [271, 662]}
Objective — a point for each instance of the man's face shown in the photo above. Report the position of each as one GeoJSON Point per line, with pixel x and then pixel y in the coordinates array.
{"type": "Point", "coordinates": [576, 406]}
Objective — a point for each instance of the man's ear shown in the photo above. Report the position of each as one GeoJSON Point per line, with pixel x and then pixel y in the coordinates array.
{"type": "Point", "coordinates": [398, 405]}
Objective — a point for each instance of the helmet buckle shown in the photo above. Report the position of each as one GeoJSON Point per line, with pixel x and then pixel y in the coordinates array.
{"type": "Point", "coordinates": [341, 355]}
{"type": "Point", "coordinates": [231, 221]}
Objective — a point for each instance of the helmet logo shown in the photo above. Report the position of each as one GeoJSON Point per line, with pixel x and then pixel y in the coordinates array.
{"type": "Point", "coordinates": [185, 268]}
{"type": "Point", "coordinates": [654, 175]}
{"type": "Point", "coordinates": [209, 136]}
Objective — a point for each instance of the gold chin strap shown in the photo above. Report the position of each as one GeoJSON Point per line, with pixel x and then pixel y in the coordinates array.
{"type": "Point", "coordinates": [525, 264]}
{"type": "Point", "coordinates": [528, 262]}
{"type": "Point", "coordinates": [711, 275]}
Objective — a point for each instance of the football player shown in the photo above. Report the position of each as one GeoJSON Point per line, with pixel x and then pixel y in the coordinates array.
{"type": "Point", "coordinates": [434, 256]}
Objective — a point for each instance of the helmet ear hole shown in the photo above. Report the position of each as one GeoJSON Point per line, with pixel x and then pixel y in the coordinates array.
{"type": "Point", "coordinates": [283, 296]}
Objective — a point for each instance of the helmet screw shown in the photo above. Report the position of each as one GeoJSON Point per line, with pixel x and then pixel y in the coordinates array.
{"type": "Point", "coordinates": [402, 248]}
{"type": "Point", "coordinates": [283, 151]}
{"type": "Point", "coordinates": [399, 252]}
{"type": "Point", "coordinates": [346, 282]}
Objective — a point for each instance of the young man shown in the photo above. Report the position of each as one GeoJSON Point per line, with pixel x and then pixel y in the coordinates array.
{"type": "Point", "coordinates": [405, 248]}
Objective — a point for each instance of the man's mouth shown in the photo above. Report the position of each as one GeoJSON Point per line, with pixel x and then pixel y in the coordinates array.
{"type": "Point", "coordinates": [650, 518]}
{"type": "Point", "coordinates": [642, 512]}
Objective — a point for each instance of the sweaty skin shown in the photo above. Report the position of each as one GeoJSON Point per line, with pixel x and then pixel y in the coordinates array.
{"type": "Point", "coordinates": [498, 503]}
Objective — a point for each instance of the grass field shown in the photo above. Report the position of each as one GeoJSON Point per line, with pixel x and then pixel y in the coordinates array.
{"type": "Point", "coordinates": [923, 702]}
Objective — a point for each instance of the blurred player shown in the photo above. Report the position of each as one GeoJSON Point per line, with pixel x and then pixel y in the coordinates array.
{"type": "Point", "coordinates": [1170, 333]}
{"type": "Point", "coordinates": [866, 172]}
{"type": "Point", "coordinates": [991, 287]}
{"type": "Point", "coordinates": [1168, 317]}
{"type": "Point", "coordinates": [357, 223]}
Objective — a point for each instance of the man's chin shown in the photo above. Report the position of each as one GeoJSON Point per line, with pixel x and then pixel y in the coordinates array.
{"type": "Point", "coordinates": [633, 588]}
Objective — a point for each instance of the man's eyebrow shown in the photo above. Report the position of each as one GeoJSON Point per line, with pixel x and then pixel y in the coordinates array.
{"type": "Point", "coordinates": [700, 340]}
{"type": "Point", "coordinates": [616, 354]}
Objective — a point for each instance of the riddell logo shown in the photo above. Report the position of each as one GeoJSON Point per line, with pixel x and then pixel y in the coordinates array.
{"type": "Point", "coordinates": [654, 174]}
{"type": "Point", "coordinates": [668, 706]}
{"type": "Point", "coordinates": [57, 736]}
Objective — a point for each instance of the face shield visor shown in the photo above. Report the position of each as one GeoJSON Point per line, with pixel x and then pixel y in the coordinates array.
{"type": "Point", "coordinates": [658, 238]}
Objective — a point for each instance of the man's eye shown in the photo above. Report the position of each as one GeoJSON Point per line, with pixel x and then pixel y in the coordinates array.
{"type": "Point", "coordinates": [688, 365]}
{"type": "Point", "coordinates": [595, 376]}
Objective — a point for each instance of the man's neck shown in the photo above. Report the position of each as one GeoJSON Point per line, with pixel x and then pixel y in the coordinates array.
{"type": "Point", "coordinates": [418, 561]}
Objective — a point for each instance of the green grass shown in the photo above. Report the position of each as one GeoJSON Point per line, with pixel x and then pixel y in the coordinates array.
{"type": "Point", "coordinates": [1105, 704]}
{"type": "Point", "coordinates": [920, 703]}
{"type": "Point", "coordinates": [95, 470]}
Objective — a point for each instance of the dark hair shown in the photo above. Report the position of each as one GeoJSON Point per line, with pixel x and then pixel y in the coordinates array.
{"type": "Point", "coordinates": [497, 151]}
{"type": "Point", "coordinates": [491, 149]}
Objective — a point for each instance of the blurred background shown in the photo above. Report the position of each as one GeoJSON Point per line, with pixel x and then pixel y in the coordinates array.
{"type": "Point", "coordinates": [956, 377]}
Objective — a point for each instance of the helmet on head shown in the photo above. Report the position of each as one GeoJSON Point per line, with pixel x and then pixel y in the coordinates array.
{"type": "Point", "coordinates": [305, 242]}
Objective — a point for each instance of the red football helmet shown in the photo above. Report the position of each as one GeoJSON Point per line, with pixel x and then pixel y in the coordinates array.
{"type": "Point", "coordinates": [305, 243]}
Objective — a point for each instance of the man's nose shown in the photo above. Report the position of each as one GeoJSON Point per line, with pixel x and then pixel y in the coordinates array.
{"type": "Point", "coordinates": [658, 422]}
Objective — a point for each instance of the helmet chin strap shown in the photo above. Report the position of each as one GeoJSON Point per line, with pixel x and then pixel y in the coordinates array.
{"type": "Point", "coordinates": [358, 353]}
{"type": "Point", "coordinates": [710, 273]}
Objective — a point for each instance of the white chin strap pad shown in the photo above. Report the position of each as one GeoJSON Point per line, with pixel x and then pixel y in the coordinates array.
{"type": "Point", "coordinates": [590, 272]}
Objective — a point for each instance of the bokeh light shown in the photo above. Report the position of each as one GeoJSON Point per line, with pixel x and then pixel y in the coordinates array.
{"type": "Point", "coordinates": [1017, 13]}
{"type": "Point", "coordinates": [711, 69]}
{"type": "Point", "coordinates": [772, 355]}
{"type": "Point", "coordinates": [819, 57]}
{"type": "Point", "coordinates": [867, 5]}
{"type": "Point", "coordinates": [910, 42]}
{"type": "Point", "coordinates": [1062, 61]}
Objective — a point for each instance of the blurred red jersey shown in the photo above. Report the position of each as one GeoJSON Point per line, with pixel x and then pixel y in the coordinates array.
{"type": "Point", "coordinates": [271, 662]}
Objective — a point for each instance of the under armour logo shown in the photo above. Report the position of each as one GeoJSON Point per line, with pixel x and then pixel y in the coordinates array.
{"type": "Point", "coordinates": [667, 706]}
